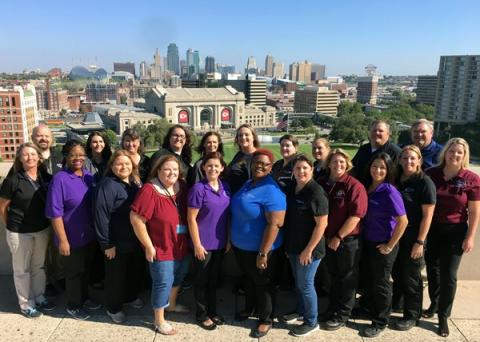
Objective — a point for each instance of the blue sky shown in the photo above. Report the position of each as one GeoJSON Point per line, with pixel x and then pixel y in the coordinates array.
{"type": "Point", "coordinates": [399, 37]}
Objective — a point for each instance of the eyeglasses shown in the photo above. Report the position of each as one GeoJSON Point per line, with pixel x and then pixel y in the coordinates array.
{"type": "Point", "coordinates": [178, 136]}
{"type": "Point", "coordinates": [262, 164]}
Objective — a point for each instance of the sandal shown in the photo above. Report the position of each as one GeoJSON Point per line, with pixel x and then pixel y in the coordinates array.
{"type": "Point", "coordinates": [206, 326]}
{"type": "Point", "coordinates": [218, 320]}
{"type": "Point", "coordinates": [256, 333]}
{"type": "Point", "coordinates": [165, 329]}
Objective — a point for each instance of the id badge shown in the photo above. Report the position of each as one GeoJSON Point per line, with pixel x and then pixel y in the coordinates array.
{"type": "Point", "coordinates": [181, 229]}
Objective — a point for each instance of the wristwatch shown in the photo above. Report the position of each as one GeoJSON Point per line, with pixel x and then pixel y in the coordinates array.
{"type": "Point", "coordinates": [420, 242]}
{"type": "Point", "coordinates": [262, 255]}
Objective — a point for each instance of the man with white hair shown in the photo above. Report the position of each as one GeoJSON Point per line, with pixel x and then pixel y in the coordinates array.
{"type": "Point", "coordinates": [422, 136]}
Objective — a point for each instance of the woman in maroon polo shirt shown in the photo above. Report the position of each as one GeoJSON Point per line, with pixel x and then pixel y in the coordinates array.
{"type": "Point", "coordinates": [347, 204]}
{"type": "Point", "coordinates": [455, 220]}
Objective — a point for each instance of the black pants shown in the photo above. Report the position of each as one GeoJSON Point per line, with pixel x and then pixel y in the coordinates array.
{"type": "Point", "coordinates": [408, 278]}
{"type": "Point", "coordinates": [259, 291]}
{"type": "Point", "coordinates": [97, 271]}
{"type": "Point", "coordinates": [123, 279]}
{"type": "Point", "coordinates": [77, 269]}
{"type": "Point", "coordinates": [379, 287]}
{"type": "Point", "coordinates": [343, 265]}
{"type": "Point", "coordinates": [443, 256]}
{"type": "Point", "coordinates": [206, 276]}
{"type": "Point", "coordinates": [53, 261]}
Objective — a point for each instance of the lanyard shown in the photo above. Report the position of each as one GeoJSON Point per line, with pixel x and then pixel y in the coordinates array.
{"type": "Point", "coordinates": [173, 199]}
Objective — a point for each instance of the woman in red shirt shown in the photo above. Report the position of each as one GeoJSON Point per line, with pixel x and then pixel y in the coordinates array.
{"type": "Point", "coordinates": [159, 219]}
{"type": "Point", "coordinates": [455, 220]}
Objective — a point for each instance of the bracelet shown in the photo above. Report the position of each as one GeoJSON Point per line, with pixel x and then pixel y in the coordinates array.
{"type": "Point", "coordinates": [262, 255]}
{"type": "Point", "coordinates": [338, 236]}
{"type": "Point", "coordinates": [420, 242]}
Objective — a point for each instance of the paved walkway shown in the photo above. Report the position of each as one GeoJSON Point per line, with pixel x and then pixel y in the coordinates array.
{"type": "Point", "coordinates": [464, 324]}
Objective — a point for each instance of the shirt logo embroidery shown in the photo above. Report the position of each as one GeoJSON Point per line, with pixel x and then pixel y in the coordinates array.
{"type": "Point", "coordinates": [340, 194]}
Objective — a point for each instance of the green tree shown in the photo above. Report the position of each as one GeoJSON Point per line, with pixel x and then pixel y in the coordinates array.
{"type": "Point", "coordinates": [112, 138]}
{"type": "Point", "coordinates": [350, 128]}
{"type": "Point", "coordinates": [153, 135]}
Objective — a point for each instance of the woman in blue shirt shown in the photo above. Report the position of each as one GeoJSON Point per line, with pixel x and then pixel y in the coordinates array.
{"type": "Point", "coordinates": [258, 212]}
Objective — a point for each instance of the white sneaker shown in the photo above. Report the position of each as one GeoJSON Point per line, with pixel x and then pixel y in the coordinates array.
{"type": "Point", "coordinates": [136, 304]}
{"type": "Point", "coordinates": [118, 317]}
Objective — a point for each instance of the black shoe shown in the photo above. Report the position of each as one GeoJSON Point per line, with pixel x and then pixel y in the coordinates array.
{"type": "Point", "coordinates": [430, 312]}
{"type": "Point", "coordinates": [373, 331]}
{"type": "Point", "coordinates": [443, 327]}
{"type": "Point", "coordinates": [290, 318]}
{"type": "Point", "coordinates": [258, 334]}
{"type": "Point", "coordinates": [334, 324]}
{"type": "Point", "coordinates": [206, 326]}
{"type": "Point", "coordinates": [405, 324]}
{"type": "Point", "coordinates": [218, 320]}
{"type": "Point", "coordinates": [303, 330]}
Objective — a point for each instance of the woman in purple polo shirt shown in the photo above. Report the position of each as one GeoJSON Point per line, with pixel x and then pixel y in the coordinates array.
{"type": "Point", "coordinates": [69, 209]}
{"type": "Point", "coordinates": [208, 213]}
{"type": "Point", "coordinates": [455, 220]}
{"type": "Point", "coordinates": [383, 226]}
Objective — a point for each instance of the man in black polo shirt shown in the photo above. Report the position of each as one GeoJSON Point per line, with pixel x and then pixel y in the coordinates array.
{"type": "Point", "coordinates": [379, 135]}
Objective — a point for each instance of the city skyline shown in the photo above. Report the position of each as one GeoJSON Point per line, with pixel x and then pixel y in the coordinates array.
{"type": "Point", "coordinates": [404, 38]}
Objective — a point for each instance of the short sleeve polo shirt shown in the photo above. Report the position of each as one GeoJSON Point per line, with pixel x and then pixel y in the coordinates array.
{"type": "Point", "coordinates": [248, 208]}
{"type": "Point", "coordinates": [417, 191]}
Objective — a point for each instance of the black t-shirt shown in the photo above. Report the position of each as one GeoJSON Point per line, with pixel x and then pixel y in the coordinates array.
{"type": "Point", "coordinates": [302, 208]}
{"type": "Point", "coordinates": [283, 175]}
{"type": "Point", "coordinates": [417, 191]}
{"type": "Point", "coordinates": [27, 206]}
{"type": "Point", "coordinates": [239, 171]}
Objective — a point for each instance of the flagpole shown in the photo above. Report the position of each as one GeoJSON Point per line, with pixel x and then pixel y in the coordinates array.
{"type": "Point", "coordinates": [287, 121]}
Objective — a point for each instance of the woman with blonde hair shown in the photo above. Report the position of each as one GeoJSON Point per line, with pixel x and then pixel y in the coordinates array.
{"type": "Point", "coordinates": [454, 224]}
{"type": "Point", "coordinates": [22, 206]}
{"type": "Point", "coordinates": [419, 197]}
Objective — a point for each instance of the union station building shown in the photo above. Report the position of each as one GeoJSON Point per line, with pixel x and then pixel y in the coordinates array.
{"type": "Point", "coordinates": [198, 108]}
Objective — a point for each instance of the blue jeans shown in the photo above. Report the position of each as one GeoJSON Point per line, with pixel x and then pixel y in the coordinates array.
{"type": "Point", "coordinates": [307, 303]}
{"type": "Point", "coordinates": [165, 275]}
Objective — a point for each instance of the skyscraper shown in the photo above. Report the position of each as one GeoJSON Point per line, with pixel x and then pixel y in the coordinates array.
{"type": "Point", "coordinates": [144, 70]}
{"type": "Point", "coordinates": [293, 72]}
{"type": "Point", "coordinates": [278, 70]}
{"type": "Point", "coordinates": [316, 99]}
{"type": "Point", "coordinates": [458, 89]}
{"type": "Point", "coordinates": [173, 58]}
{"type": "Point", "coordinates": [269, 66]}
{"type": "Point", "coordinates": [318, 72]}
{"type": "Point", "coordinates": [301, 72]}
{"type": "Point", "coordinates": [193, 60]}
{"type": "Point", "coordinates": [209, 64]}
{"type": "Point", "coordinates": [367, 87]}
{"type": "Point", "coordinates": [426, 89]}
{"type": "Point", "coordinates": [128, 67]}
{"type": "Point", "coordinates": [251, 65]}
{"type": "Point", "coordinates": [156, 68]}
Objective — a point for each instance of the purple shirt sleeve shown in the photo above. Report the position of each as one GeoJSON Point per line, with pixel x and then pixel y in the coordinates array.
{"type": "Point", "coordinates": [398, 208]}
{"type": "Point", "coordinates": [195, 196]}
{"type": "Point", "coordinates": [54, 206]}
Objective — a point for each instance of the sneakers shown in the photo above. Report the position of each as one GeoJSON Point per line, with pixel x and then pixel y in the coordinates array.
{"type": "Point", "coordinates": [79, 314]}
{"type": "Point", "coordinates": [303, 330]}
{"type": "Point", "coordinates": [290, 318]}
{"type": "Point", "coordinates": [373, 331]}
{"type": "Point", "coordinates": [31, 312]}
{"type": "Point", "coordinates": [91, 305]}
{"type": "Point", "coordinates": [46, 305]}
{"type": "Point", "coordinates": [118, 317]}
{"type": "Point", "coordinates": [334, 324]}
{"type": "Point", "coordinates": [136, 304]}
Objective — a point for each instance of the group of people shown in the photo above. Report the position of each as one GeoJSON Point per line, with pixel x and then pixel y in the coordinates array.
{"type": "Point", "coordinates": [350, 224]}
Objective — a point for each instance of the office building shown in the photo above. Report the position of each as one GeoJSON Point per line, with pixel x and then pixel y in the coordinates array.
{"type": "Point", "coordinates": [317, 72]}
{"type": "Point", "coordinates": [209, 65]}
{"type": "Point", "coordinates": [128, 119]}
{"type": "Point", "coordinates": [301, 72]}
{"type": "Point", "coordinates": [156, 67]}
{"type": "Point", "coordinates": [255, 90]}
{"type": "Point", "coordinates": [316, 100]}
{"type": "Point", "coordinates": [193, 61]}
{"type": "Point", "coordinates": [18, 117]}
{"type": "Point", "coordinates": [278, 71]}
{"type": "Point", "coordinates": [127, 67]}
{"type": "Point", "coordinates": [197, 108]}
{"type": "Point", "coordinates": [457, 99]}
{"type": "Point", "coordinates": [269, 66]}
{"type": "Point", "coordinates": [101, 92]}
{"type": "Point", "coordinates": [144, 71]}
{"type": "Point", "coordinates": [426, 89]}
{"type": "Point", "coordinates": [293, 72]}
{"type": "Point", "coordinates": [173, 59]}
{"type": "Point", "coordinates": [367, 89]}
{"type": "Point", "coordinates": [251, 66]}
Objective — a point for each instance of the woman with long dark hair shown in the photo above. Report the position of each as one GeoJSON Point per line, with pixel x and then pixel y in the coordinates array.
{"type": "Point", "coordinates": [211, 142]}
{"type": "Point", "coordinates": [282, 170]}
{"type": "Point", "coordinates": [383, 226]}
{"type": "Point", "coordinates": [98, 154]}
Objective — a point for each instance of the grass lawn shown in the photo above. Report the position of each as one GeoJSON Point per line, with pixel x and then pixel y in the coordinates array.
{"type": "Point", "coordinates": [230, 150]}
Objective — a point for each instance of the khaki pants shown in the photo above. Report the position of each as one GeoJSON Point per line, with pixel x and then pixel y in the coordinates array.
{"type": "Point", "coordinates": [28, 259]}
